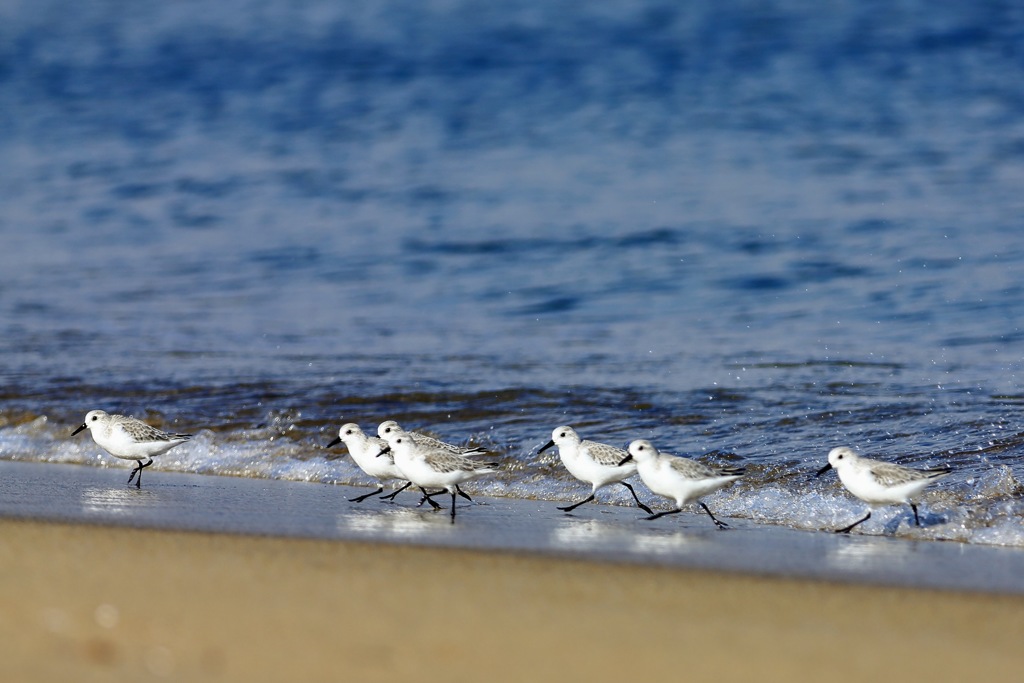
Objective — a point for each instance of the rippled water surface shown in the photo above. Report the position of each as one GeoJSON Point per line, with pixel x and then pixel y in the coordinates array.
{"type": "Point", "coordinates": [752, 231]}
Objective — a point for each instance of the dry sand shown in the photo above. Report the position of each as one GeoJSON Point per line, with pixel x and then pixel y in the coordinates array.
{"type": "Point", "coordinates": [85, 603]}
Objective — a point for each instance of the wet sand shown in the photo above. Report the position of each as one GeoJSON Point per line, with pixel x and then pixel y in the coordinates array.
{"type": "Point", "coordinates": [602, 533]}
{"type": "Point", "coordinates": [88, 598]}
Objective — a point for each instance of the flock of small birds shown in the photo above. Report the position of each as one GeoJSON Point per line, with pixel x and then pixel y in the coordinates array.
{"type": "Point", "coordinates": [436, 467]}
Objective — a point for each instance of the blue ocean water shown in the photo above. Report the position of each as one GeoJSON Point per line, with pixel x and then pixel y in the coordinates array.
{"type": "Point", "coordinates": [752, 231]}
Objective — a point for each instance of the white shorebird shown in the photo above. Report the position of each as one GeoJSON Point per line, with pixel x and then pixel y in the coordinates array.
{"type": "Point", "coordinates": [429, 466]}
{"type": "Point", "coordinates": [364, 450]}
{"type": "Point", "coordinates": [389, 426]}
{"type": "Point", "coordinates": [681, 479]}
{"type": "Point", "coordinates": [129, 439]}
{"type": "Point", "coordinates": [597, 464]}
{"type": "Point", "coordinates": [879, 483]}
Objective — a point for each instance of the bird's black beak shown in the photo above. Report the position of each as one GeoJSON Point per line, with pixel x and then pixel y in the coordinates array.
{"type": "Point", "coordinates": [386, 449]}
{"type": "Point", "coordinates": [84, 426]}
{"type": "Point", "coordinates": [824, 469]}
{"type": "Point", "coordinates": [546, 446]}
{"type": "Point", "coordinates": [336, 441]}
{"type": "Point", "coordinates": [626, 459]}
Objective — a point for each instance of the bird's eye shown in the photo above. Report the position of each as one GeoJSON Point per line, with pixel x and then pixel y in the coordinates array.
{"type": "Point", "coordinates": [95, 417]}
{"type": "Point", "coordinates": [839, 457]}
{"type": "Point", "coordinates": [639, 448]}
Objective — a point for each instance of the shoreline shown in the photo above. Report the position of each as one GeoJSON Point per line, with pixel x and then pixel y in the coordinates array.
{"type": "Point", "coordinates": [73, 494]}
{"type": "Point", "coordinates": [107, 603]}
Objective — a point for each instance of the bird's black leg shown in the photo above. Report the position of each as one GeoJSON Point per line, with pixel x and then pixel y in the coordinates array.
{"type": "Point", "coordinates": [391, 496]}
{"type": "Point", "coordinates": [138, 482]}
{"type": "Point", "coordinates": [453, 507]}
{"type": "Point", "coordinates": [720, 525]}
{"type": "Point", "coordinates": [360, 499]}
{"type": "Point", "coordinates": [139, 465]}
{"type": "Point", "coordinates": [639, 504]}
{"type": "Point", "coordinates": [846, 529]}
{"type": "Point", "coordinates": [463, 493]}
{"type": "Point", "coordinates": [570, 508]}
{"type": "Point", "coordinates": [917, 520]}
{"type": "Point", "coordinates": [429, 498]}
{"type": "Point", "coordinates": [662, 514]}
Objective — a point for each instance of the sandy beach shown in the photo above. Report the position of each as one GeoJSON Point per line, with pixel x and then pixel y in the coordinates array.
{"type": "Point", "coordinates": [90, 603]}
{"type": "Point", "coordinates": [199, 578]}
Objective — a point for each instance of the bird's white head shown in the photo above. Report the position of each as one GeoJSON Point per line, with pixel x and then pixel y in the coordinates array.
{"type": "Point", "coordinates": [349, 430]}
{"type": "Point", "coordinates": [642, 450]}
{"type": "Point", "coordinates": [94, 418]}
{"type": "Point", "coordinates": [564, 434]}
{"type": "Point", "coordinates": [388, 427]}
{"type": "Point", "coordinates": [561, 436]}
{"type": "Point", "coordinates": [399, 441]}
{"type": "Point", "coordinates": [840, 456]}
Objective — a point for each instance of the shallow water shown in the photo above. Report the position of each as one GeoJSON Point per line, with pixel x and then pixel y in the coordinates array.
{"type": "Point", "coordinates": [753, 231]}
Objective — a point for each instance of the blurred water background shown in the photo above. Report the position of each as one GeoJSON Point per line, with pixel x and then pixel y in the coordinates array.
{"type": "Point", "coordinates": [748, 231]}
